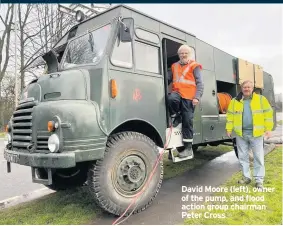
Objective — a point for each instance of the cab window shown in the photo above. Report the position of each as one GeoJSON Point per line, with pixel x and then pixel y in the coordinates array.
{"type": "Point", "coordinates": [147, 57]}
{"type": "Point", "coordinates": [122, 55]}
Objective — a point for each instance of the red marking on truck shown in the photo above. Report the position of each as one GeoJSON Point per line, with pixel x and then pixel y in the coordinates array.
{"type": "Point", "coordinates": [137, 95]}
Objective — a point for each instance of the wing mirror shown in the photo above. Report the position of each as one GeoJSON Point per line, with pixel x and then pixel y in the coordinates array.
{"type": "Point", "coordinates": [126, 30]}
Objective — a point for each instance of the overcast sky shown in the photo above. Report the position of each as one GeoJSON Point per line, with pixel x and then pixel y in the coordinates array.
{"type": "Point", "coordinates": [252, 32]}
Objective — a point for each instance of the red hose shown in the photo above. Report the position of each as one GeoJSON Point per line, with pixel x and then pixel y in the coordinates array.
{"type": "Point", "coordinates": [224, 100]}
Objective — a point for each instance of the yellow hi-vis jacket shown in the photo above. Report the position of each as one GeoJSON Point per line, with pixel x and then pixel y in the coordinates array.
{"type": "Point", "coordinates": [262, 115]}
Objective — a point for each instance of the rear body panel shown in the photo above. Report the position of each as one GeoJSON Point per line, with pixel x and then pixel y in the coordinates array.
{"type": "Point", "coordinates": [268, 92]}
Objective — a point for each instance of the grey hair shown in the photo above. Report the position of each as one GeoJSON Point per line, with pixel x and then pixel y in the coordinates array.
{"type": "Point", "coordinates": [247, 81]}
{"type": "Point", "coordinates": [186, 47]}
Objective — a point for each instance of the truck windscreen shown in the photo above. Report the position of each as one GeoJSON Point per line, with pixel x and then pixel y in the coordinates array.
{"type": "Point", "coordinates": [86, 49]}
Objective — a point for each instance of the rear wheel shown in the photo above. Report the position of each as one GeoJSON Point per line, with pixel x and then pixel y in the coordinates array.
{"type": "Point", "coordinates": [63, 179]}
{"type": "Point", "coordinates": [129, 159]}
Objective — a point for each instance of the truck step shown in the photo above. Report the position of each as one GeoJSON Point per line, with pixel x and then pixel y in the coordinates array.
{"type": "Point", "coordinates": [178, 159]}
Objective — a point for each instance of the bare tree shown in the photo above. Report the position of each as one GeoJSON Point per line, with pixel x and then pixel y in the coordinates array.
{"type": "Point", "coordinates": [41, 26]}
{"type": "Point", "coordinates": [8, 98]}
{"type": "Point", "coordinates": [5, 37]}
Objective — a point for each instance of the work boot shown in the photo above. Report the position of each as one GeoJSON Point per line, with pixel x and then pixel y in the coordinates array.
{"type": "Point", "coordinates": [259, 186]}
{"type": "Point", "coordinates": [187, 152]}
{"type": "Point", "coordinates": [179, 149]}
{"type": "Point", "coordinates": [245, 181]}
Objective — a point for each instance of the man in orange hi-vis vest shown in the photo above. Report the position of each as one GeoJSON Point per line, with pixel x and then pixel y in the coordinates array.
{"type": "Point", "coordinates": [187, 89]}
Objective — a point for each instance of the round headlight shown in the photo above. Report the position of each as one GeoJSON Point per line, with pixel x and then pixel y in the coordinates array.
{"type": "Point", "coordinates": [80, 16]}
{"type": "Point", "coordinates": [53, 143]}
{"type": "Point", "coordinates": [7, 139]}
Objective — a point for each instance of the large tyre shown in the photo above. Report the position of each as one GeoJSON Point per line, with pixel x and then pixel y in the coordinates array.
{"type": "Point", "coordinates": [63, 179]}
{"type": "Point", "coordinates": [129, 159]}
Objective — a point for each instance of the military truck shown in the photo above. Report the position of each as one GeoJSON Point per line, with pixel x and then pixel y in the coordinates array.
{"type": "Point", "coordinates": [99, 114]}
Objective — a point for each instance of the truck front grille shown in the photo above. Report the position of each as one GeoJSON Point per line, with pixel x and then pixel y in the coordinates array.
{"type": "Point", "coordinates": [22, 125]}
{"type": "Point", "coordinates": [42, 141]}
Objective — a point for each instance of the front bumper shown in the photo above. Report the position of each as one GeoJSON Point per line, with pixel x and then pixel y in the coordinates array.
{"type": "Point", "coordinates": [52, 160]}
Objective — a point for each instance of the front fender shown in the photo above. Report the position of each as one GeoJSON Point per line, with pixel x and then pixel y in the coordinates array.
{"type": "Point", "coordinates": [79, 117]}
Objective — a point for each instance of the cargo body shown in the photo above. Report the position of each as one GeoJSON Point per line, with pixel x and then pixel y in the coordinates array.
{"type": "Point", "coordinates": [99, 115]}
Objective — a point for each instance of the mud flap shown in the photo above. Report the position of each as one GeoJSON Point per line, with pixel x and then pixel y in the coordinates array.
{"type": "Point", "coordinates": [178, 159]}
{"type": "Point", "coordinates": [47, 181]}
{"type": "Point", "coordinates": [8, 167]}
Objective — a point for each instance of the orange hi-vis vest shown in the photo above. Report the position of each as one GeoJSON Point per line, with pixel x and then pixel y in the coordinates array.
{"type": "Point", "coordinates": [183, 79]}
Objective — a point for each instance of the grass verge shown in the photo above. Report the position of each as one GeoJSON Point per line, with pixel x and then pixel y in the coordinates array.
{"type": "Point", "coordinates": [77, 207]}
{"type": "Point", "coordinates": [270, 204]}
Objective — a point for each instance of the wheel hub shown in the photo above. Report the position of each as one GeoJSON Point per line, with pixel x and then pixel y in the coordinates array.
{"type": "Point", "coordinates": [131, 173]}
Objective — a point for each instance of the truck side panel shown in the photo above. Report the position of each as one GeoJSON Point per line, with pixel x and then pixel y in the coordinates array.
{"type": "Point", "coordinates": [204, 55]}
{"type": "Point", "coordinates": [224, 66]}
{"type": "Point", "coordinates": [139, 98]}
{"type": "Point", "coordinates": [268, 92]}
{"type": "Point", "coordinates": [208, 104]}
{"type": "Point", "coordinates": [209, 109]}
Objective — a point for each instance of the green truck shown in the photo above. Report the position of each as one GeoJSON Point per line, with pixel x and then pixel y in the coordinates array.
{"type": "Point", "coordinates": [99, 115]}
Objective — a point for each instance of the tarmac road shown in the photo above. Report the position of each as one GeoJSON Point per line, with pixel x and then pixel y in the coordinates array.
{"type": "Point", "coordinates": [16, 183]}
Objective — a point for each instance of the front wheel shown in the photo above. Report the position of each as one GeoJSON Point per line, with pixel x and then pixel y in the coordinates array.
{"type": "Point", "coordinates": [129, 159]}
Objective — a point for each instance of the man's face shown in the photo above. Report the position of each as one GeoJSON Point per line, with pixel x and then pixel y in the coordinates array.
{"type": "Point", "coordinates": [247, 89]}
{"type": "Point", "coordinates": [184, 55]}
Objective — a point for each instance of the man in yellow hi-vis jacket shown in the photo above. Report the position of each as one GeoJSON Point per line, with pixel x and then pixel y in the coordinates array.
{"type": "Point", "coordinates": [250, 116]}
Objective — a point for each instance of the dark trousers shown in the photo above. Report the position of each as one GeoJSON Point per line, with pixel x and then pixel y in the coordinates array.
{"type": "Point", "coordinates": [186, 108]}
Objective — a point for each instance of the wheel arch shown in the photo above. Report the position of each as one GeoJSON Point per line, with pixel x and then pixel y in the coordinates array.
{"type": "Point", "coordinates": [140, 126]}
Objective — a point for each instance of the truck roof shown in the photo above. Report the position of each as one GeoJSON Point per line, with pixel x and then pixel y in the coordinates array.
{"type": "Point", "coordinates": [144, 14]}
{"type": "Point", "coordinates": [129, 8]}
{"type": "Point", "coordinates": [61, 42]}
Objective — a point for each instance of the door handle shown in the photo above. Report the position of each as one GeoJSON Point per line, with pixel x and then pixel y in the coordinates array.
{"type": "Point", "coordinates": [213, 92]}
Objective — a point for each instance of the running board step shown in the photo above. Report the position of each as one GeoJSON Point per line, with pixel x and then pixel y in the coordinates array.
{"type": "Point", "coordinates": [178, 159]}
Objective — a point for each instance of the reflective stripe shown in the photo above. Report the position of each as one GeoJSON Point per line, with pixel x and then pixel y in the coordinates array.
{"type": "Point", "coordinates": [188, 140]}
{"type": "Point", "coordinates": [268, 119]}
{"type": "Point", "coordinates": [172, 116]}
{"type": "Point", "coordinates": [267, 110]}
{"type": "Point", "coordinates": [230, 112]}
{"type": "Point", "coordinates": [258, 127]}
{"type": "Point", "coordinates": [238, 127]}
{"type": "Point", "coordinates": [237, 113]}
{"type": "Point", "coordinates": [257, 111]}
{"type": "Point", "coordinates": [181, 78]}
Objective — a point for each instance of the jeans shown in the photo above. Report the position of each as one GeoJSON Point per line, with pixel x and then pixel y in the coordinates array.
{"type": "Point", "coordinates": [244, 144]}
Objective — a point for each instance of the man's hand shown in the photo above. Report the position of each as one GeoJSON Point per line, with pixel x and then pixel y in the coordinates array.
{"type": "Point", "coordinates": [229, 134]}
{"type": "Point", "coordinates": [267, 134]}
{"type": "Point", "coordinates": [195, 102]}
